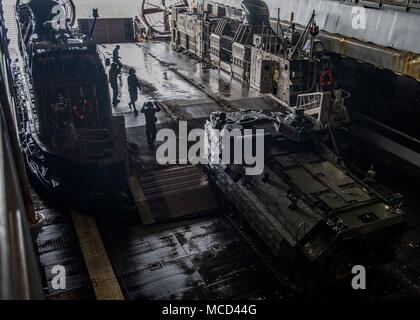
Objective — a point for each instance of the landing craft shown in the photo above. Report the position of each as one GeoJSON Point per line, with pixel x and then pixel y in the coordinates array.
{"type": "Point", "coordinates": [72, 143]}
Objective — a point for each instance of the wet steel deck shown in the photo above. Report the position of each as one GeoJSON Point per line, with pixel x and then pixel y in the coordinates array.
{"type": "Point", "coordinates": [203, 257]}
{"type": "Point", "coordinates": [198, 258]}
{"type": "Point", "coordinates": [188, 89]}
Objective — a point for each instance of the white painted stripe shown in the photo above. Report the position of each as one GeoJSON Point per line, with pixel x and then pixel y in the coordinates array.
{"type": "Point", "coordinates": [102, 275]}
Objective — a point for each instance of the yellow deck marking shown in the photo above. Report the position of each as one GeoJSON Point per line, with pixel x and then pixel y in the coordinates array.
{"type": "Point", "coordinates": [97, 262]}
{"type": "Point", "coordinates": [142, 204]}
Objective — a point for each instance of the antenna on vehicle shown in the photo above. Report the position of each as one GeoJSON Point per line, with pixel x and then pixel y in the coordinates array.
{"type": "Point", "coordinates": [95, 15]}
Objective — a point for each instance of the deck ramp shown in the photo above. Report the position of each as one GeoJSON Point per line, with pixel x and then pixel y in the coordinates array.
{"type": "Point", "coordinates": [167, 194]}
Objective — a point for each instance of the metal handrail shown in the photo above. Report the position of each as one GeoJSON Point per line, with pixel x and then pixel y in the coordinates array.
{"type": "Point", "coordinates": [19, 271]}
{"type": "Point", "coordinates": [309, 100]}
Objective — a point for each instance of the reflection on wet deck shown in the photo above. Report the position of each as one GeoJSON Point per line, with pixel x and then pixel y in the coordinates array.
{"type": "Point", "coordinates": [200, 257]}
{"type": "Point", "coordinates": [187, 88]}
{"type": "Point", "coordinates": [193, 259]}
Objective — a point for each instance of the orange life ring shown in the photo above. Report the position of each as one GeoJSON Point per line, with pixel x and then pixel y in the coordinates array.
{"type": "Point", "coordinates": [82, 102]}
{"type": "Point", "coordinates": [325, 79]}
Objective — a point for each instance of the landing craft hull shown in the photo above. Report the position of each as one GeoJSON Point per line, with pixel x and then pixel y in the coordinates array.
{"type": "Point", "coordinates": [80, 183]}
{"type": "Point", "coordinates": [80, 186]}
{"type": "Point", "coordinates": [73, 145]}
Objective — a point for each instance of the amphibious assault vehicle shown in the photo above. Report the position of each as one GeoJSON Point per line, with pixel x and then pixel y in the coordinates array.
{"type": "Point", "coordinates": [306, 205]}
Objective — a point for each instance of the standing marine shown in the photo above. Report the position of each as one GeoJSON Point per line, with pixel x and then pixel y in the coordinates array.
{"type": "Point", "coordinates": [149, 109]}
{"type": "Point", "coordinates": [133, 87]}
{"type": "Point", "coordinates": [116, 57]}
{"type": "Point", "coordinates": [113, 80]}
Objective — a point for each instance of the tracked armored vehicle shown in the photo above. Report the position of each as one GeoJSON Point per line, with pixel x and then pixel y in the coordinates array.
{"type": "Point", "coordinates": [307, 207]}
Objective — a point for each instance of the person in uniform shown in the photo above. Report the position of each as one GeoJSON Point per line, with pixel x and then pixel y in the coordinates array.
{"type": "Point", "coordinates": [149, 109]}
{"type": "Point", "coordinates": [116, 57]}
{"type": "Point", "coordinates": [218, 120]}
{"type": "Point", "coordinates": [113, 80]}
{"type": "Point", "coordinates": [133, 87]}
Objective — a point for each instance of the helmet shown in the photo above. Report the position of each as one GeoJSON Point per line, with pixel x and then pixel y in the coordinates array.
{"type": "Point", "coordinates": [132, 71]}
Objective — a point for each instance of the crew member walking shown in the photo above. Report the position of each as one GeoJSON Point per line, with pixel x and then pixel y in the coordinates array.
{"type": "Point", "coordinates": [116, 57]}
{"type": "Point", "coordinates": [149, 109]}
{"type": "Point", "coordinates": [133, 87]}
{"type": "Point", "coordinates": [113, 80]}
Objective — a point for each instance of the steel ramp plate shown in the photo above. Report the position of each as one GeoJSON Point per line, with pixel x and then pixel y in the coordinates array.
{"type": "Point", "coordinates": [167, 194]}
